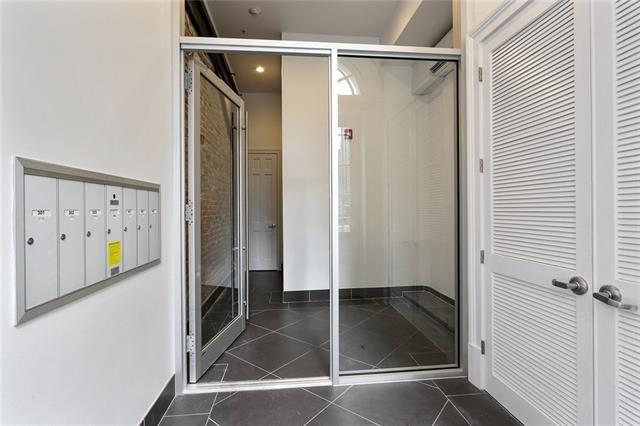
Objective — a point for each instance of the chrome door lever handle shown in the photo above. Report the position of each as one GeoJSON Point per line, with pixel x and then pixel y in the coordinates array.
{"type": "Point", "coordinates": [577, 284]}
{"type": "Point", "coordinates": [612, 296]}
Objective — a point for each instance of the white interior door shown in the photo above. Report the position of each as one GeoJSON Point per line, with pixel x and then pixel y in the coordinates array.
{"type": "Point", "coordinates": [263, 211]}
{"type": "Point", "coordinates": [617, 210]}
{"type": "Point", "coordinates": [537, 213]}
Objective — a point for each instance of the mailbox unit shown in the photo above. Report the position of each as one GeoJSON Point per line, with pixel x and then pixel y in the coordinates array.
{"type": "Point", "coordinates": [129, 232]}
{"type": "Point", "coordinates": [79, 231]}
{"type": "Point", "coordinates": [71, 245]}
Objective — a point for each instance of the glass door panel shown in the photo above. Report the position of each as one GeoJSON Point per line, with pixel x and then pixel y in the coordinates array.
{"type": "Point", "coordinates": [215, 234]}
{"type": "Point", "coordinates": [397, 214]}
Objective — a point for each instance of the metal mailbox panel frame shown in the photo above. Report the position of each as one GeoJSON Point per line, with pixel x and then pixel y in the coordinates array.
{"type": "Point", "coordinates": [24, 167]}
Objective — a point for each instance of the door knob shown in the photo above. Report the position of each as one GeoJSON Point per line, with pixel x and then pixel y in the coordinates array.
{"type": "Point", "coordinates": [612, 296]}
{"type": "Point", "coordinates": [272, 226]}
{"type": "Point", "coordinates": [576, 284]}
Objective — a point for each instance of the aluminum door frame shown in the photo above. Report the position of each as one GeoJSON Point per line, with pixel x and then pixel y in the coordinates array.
{"type": "Point", "coordinates": [330, 51]}
{"type": "Point", "coordinates": [205, 353]}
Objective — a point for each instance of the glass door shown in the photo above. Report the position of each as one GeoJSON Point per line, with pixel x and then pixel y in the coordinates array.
{"type": "Point", "coordinates": [397, 224]}
{"type": "Point", "coordinates": [215, 222]}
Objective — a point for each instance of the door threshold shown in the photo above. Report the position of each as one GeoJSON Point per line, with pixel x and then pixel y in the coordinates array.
{"type": "Point", "coordinates": [357, 379]}
{"type": "Point", "coordinates": [401, 376]}
{"type": "Point", "coordinates": [251, 385]}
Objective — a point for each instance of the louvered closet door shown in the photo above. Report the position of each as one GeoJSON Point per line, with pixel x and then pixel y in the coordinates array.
{"type": "Point", "coordinates": [537, 207]}
{"type": "Point", "coordinates": [617, 247]}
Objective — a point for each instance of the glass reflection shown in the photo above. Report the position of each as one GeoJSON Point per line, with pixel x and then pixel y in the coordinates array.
{"type": "Point", "coordinates": [219, 289]}
{"type": "Point", "coordinates": [397, 214]}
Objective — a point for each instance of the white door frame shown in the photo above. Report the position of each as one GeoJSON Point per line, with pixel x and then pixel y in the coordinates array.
{"type": "Point", "coordinates": [614, 330]}
{"type": "Point", "coordinates": [278, 154]}
{"type": "Point", "coordinates": [478, 290]}
{"type": "Point", "coordinates": [330, 51]}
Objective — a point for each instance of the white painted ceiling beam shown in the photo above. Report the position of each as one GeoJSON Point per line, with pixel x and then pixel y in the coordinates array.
{"type": "Point", "coordinates": [419, 23]}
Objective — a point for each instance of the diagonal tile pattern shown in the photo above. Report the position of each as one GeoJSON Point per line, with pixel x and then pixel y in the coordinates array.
{"type": "Point", "coordinates": [278, 407]}
{"type": "Point", "coordinates": [271, 351]}
{"type": "Point", "coordinates": [407, 403]}
{"type": "Point", "coordinates": [291, 340]}
{"type": "Point", "coordinates": [412, 402]}
{"type": "Point", "coordinates": [335, 415]}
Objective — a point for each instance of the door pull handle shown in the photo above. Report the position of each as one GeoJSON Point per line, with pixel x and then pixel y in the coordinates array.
{"type": "Point", "coordinates": [612, 296]}
{"type": "Point", "coordinates": [576, 284]}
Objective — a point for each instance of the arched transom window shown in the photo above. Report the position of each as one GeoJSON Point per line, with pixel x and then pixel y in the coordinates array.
{"type": "Point", "coordinates": [347, 85]}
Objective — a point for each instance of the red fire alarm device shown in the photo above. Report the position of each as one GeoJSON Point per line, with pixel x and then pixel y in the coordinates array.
{"type": "Point", "coordinates": [347, 133]}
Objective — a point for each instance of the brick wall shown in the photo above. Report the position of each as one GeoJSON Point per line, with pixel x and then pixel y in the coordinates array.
{"type": "Point", "coordinates": [216, 186]}
{"type": "Point", "coordinates": [216, 179]}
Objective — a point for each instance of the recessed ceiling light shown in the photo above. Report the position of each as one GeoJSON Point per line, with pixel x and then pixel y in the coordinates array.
{"type": "Point", "coordinates": [255, 11]}
{"type": "Point", "coordinates": [260, 69]}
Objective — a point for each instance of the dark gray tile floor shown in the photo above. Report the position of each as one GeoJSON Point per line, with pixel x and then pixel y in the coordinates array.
{"type": "Point", "coordinates": [436, 402]}
{"type": "Point", "coordinates": [291, 340]}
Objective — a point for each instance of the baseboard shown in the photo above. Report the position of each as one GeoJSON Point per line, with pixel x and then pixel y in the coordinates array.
{"type": "Point", "coordinates": [208, 303]}
{"type": "Point", "coordinates": [305, 296]}
{"type": "Point", "coordinates": [345, 294]}
{"type": "Point", "coordinates": [442, 296]}
{"type": "Point", "coordinates": [213, 296]}
{"type": "Point", "coordinates": [436, 305]}
{"type": "Point", "coordinates": [476, 366]}
{"type": "Point", "coordinates": [359, 293]}
{"type": "Point", "coordinates": [159, 407]}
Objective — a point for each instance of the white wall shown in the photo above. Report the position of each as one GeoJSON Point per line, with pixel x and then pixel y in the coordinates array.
{"type": "Point", "coordinates": [265, 132]}
{"type": "Point", "coordinates": [330, 38]}
{"type": "Point", "coordinates": [305, 165]}
{"type": "Point", "coordinates": [475, 11]}
{"type": "Point", "coordinates": [436, 234]}
{"type": "Point", "coordinates": [403, 229]}
{"type": "Point", "coordinates": [265, 120]}
{"type": "Point", "coordinates": [436, 182]}
{"type": "Point", "coordinates": [402, 180]}
{"type": "Point", "coordinates": [305, 172]}
{"type": "Point", "coordinates": [88, 85]}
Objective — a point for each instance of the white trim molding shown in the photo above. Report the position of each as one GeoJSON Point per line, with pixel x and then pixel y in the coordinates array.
{"type": "Point", "coordinates": [476, 289]}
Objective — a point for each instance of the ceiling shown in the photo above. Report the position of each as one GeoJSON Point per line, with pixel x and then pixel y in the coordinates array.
{"type": "Point", "coordinates": [343, 17]}
{"type": "Point", "coordinates": [248, 79]}
{"type": "Point", "coordinates": [406, 22]}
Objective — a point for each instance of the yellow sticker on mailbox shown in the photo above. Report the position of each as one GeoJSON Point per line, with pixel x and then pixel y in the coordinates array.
{"type": "Point", "coordinates": [114, 251]}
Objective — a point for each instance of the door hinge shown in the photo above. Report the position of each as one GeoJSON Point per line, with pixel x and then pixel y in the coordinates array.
{"type": "Point", "coordinates": [188, 212]}
{"type": "Point", "coordinates": [188, 80]}
{"type": "Point", "coordinates": [481, 165]}
{"type": "Point", "coordinates": [482, 257]}
{"type": "Point", "coordinates": [482, 347]}
{"type": "Point", "coordinates": [480, 74]}
{"type": "Point", "coordinates": [191, 344]}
